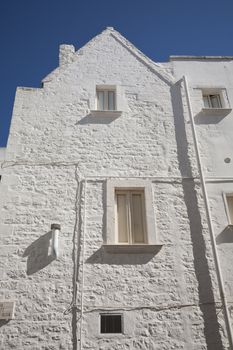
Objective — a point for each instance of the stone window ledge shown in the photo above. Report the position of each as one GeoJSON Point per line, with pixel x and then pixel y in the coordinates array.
{"type": "Point", "coordinates": [98, 113]}
{"type": "Point", "coordinates": [216, 111]}
{"type": "Point", "coordinates": [132, 248]}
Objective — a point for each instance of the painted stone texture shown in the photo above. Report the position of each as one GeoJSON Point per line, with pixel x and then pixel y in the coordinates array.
{"type": "Point", "coordinates": [59, 159]}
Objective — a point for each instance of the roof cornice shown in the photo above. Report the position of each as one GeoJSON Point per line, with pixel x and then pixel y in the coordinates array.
{"type": "Point", "coordinates": [196, 58]}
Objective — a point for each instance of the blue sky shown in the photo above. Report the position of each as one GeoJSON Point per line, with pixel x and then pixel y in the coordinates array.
{"type": "Point", "coordinates": [31, 31]}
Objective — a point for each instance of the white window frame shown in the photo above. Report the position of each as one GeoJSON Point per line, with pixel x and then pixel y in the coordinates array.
{"type": "Point", "coordinates": [129, 192]}
{"type": "Point", "coordinates": [151, 243]}
{"type": "Point", "coordinates": [221, 95]}
{"type": "Point", "coordinates": [224, 107]}
{"type": "Point", "coordinates": [106, 92]}
{"type": "Point", "coordinates": [208, 97]}
{"type": "Point", "coordinates": [119, 105]}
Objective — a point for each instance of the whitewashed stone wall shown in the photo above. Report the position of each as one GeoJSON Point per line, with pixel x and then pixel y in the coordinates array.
{"type": "Point", "coordinates": [59, 157]}
{"type": "Point", "coordinates": [216, 144]}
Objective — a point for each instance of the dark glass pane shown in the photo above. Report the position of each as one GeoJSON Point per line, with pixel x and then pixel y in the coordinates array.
{"type": "Point", "coordinates": [111, 324]}
{"type": "Point", "coordinates": [215, 101]}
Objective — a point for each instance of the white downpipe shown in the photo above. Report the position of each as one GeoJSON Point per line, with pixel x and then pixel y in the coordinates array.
{"type": "Point", "coordinates": [207, 207]}
{"type": "Point", "coordinates": [83, 257]}
{"type": "Point", "coordinates": [55, 239]}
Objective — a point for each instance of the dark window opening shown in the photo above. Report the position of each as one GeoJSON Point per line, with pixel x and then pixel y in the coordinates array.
{"type": "Point", "coordinates": [111, 324]}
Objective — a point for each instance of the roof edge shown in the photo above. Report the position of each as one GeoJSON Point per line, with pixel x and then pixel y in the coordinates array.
{"type": "Point", "coordinates": [157, 68]}
{"type": "Point", "coordinates": [213, 58]}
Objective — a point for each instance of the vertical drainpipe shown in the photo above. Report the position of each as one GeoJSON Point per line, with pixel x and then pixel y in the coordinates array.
{"type": "Point", "coordinates": [83, 265]}
{"type": "Point", "coordinates": [206, 202]}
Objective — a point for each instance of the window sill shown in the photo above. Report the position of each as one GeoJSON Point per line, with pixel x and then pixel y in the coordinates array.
{"type": "Point", "coordinates": [132, 248]}
{"type": "Point", "coordinates": [98, 113]}
{"type": "Point", "coordinates": [216, 111]}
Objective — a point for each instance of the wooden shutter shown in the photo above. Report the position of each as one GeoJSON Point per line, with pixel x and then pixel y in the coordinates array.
{"type": "Point", "coordinates": [111, 100]}
{"type": "Point", "coordinates": [137, 217]}
{"type": "Point", "coordinates": [230, 207]}
{"type": "Point", "coordinates": [130, 217]}
{"type": "Point", "coordinates": [100, 100]}
{"type": "Point", "coordinates": [206, 101]}
{"type": "Point", "coordinates": [122, 217]}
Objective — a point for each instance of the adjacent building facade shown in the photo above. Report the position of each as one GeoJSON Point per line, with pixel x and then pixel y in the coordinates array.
{"type": "Point", "coordinates": [117, 204]}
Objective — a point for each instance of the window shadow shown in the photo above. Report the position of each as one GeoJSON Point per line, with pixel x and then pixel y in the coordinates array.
{"type": "Point", "coordinates": [93, 119]}
{"type": "Point", "coordinates": [205, 287]}
{"type": "Point", "coordinates": [102, 257]}
{"type": "Point", "coordinates": [3, 322]}
{"type": "Point", "coordinates": [201, 118]}
{"type": "Point", "coordinates": [38, 254]}
{"type": "Point", "coordinates": [226, 236]}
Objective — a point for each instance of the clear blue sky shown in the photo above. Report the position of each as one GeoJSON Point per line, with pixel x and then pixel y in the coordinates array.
{"type": "Point", "coordinates": [31, 31]}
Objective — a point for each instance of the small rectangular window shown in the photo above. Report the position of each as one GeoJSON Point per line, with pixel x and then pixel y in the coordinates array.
{"type": "Point", "coordinates": [230, 207]}
{"type": "Point", "coordinates": [212, 101]}
{"type": "Point", "coordinates": [106, 100]}
{"type": "Point", "coordinates": [110, 323]}
{"type": "Point", "coordinates": [130, 216]}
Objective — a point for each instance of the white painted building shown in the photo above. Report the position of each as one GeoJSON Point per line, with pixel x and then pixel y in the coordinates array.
{"type": "Point", "coordinates": [133, 160]}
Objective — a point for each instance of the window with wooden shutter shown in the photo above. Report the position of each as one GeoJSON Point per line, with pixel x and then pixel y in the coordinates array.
{"type": "Point", "coordinates": [106, 100]}
{"type": "Point", "coordinates": [212, 101]}
{"type": "Point", "coordinates": [130, 216]}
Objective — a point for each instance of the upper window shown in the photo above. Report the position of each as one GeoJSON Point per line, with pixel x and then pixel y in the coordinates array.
{"type": "Point", "coordinates": [130, 216]}
{"type": "Point", "coordinates": [212, 101]}
{"type": "Point", "coordinates": [215, 102]}
{"type": "Point", "coordinates": [106, 99]}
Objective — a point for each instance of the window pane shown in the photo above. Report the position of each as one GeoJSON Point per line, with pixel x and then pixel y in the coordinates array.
{"type": "Point", "coordinates": [111, 324]}
{"type": "Point", "coordinates": [100, 100]}
{"type": "Point", "coordinates": [137, 218]}
{"type": "Point", "coordinates": [215, 101]}
{"type": "Point", "coordinates": [111, 100]}
{"type": "Point", "coordinates": [230, 208]}
{"type": "Point", "coordinates": [122, 218]}
{"type": "Point", "coordinates": [206, 101]}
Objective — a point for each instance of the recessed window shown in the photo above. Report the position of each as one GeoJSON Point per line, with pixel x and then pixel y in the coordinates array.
{"type": "Point", "coordinates": [130, 216]}
{"type": "Point", "coordinates": [212, 101]}
{"type": "Point", "coordinates": [106, 100]}
{"type": "Point", "coordinates": [110, 323]}
{"type": "Point", "coordinates": [229, 199]}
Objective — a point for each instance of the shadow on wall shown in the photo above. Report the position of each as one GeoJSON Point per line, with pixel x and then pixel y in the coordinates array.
{"type": "Point", "coordinates": [38, 254]}
{"type": "Point", "coordinates": [93, 119]}
{"type": "Point", "coordinates": [4, 322]}
{"type": "Point", "coordinates": [102, 257]}
{"type": "Point", "coordinates": [205, 287]}
{"type": "Point", "coordinates": [226, 236]}
{"type": "Point", "coordinates": [201, 118]}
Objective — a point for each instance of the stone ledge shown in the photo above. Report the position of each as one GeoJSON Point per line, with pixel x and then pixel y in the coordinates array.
{"type": "Point", "coordinates": [98, 113]}
{"type": "Point", "coordinates": [216, 111]}
{"type": "Point", "coordinates": [132, 248]}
